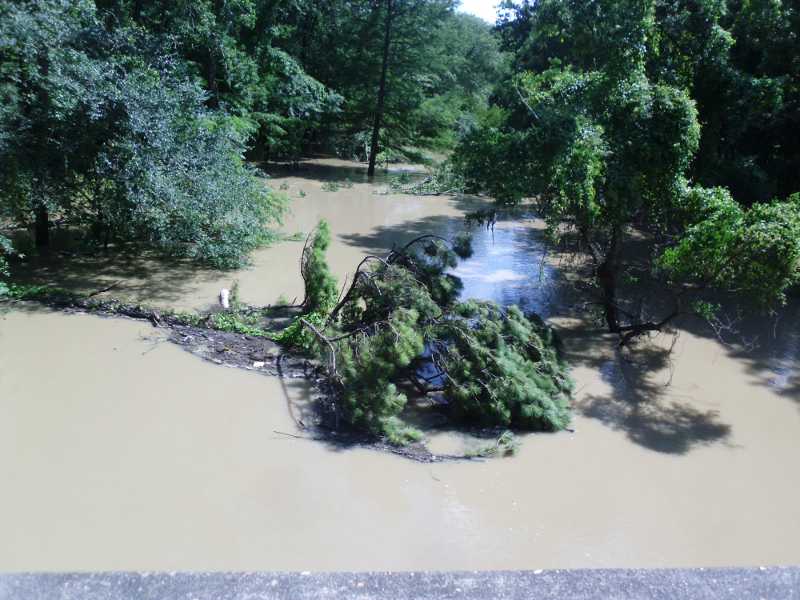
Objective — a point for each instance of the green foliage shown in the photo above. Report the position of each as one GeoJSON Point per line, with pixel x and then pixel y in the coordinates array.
{"type": "Point", "coordinates": [331, 186]}
{"type": "Point", "coordinates": [755, 251]}
{"type": "Point", "coordinates": [445, 178]}
{"type": "Point", "coordinates": [503, 369]}
{"type": "Point", "coordinates": [335, 186]}
{"type": "Point", "coordinates": [320, 293]}
{"type": "Point", "coordinates": [399, 433]}
{"type": "Point", "coordinates": [465, 63]}
{"type": "Point", "coordinates": [192, 195]}
{"type": "Point", "coordinates": [238, 321]}
{"type": "Point", "coordinates": [600, 127]}
{"type": "Point", "coordinates": [293, 76]}
{"type": "Point", "coordinates": [735, 59]}
{"type": "Point", "coordinates": [596, 148]}
{"type": "Point", "coordinates": [104, 131]}
{"type": "Point", "coordinates": [298, 337]}
{"type": "Point", "coordinates": [297, 105]}
{"type": "Point", "coordinates": [320, 284]}
{"type": "Point", "coordinates": [400, 320]}
{"type": "Point", "coordinates": [233, 48]}
{"type": "Point", "coordinates": [705, 310]}
{"type": "Point", "coordinates": [192, 319]}
{"type": "Point", "coordinates": [369, 366]}
{"type": "Point", "coordinates": [489, 159]}
{"type": "Point", "coordinates": [35, 292]}
{"type": "Point", "coordinates": [505, 445]}
{"type": "Point", "coordinates": [441, 67]}
{"type": "Point", "coordinates": [400, 327]}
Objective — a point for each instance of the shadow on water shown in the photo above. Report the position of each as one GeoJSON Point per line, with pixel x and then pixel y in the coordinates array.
{"type": "Point", "coordinates": [775, 360]}
{"type": "Point", "coordinates": [642, 403]}
{"type": "Point", "coordinates": [135, 272]}
{"type": "Point", "coordinates": [382, 239]}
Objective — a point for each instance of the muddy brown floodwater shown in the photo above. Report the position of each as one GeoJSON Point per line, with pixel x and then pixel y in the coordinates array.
{"type": "Point", "coordinates": [119, 451]}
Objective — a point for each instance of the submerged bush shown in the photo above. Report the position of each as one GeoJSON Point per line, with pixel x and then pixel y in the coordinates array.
{"type": "Point", "coordinates": [400, 329]}
{"type": "Point", "coordinates": [754, 252]}
{"type": "Point", "coordinates": [445, 178]}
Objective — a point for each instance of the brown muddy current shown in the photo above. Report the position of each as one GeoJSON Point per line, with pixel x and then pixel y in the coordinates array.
{"type": "Point", "coordinates": [120, 451]}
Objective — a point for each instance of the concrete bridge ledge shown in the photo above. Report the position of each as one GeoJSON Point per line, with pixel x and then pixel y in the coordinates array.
{"type": "Point", "coordinates": [624, 584]}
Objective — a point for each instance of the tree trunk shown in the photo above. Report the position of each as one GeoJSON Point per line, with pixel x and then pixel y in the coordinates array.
{"type": "Point", "coordinates": [607, 279]}
{"type": "Point", "coordinates": [136, 11]}
{"type": "Point", "coordinates": [387, 42]}
{"type": "Point", "coordinates": [606, 276]}
{"type": "Point", "coordinates": [608, 284]}
{"type": "Point", "coordinates": [42, 227]}
{"type": "Point", "coordinates": [45, 166]}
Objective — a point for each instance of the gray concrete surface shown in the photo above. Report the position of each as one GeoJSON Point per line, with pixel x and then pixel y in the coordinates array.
{"type": "Point", "coordinates": [667, 584]}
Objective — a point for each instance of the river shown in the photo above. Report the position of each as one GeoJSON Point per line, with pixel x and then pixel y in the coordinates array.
{"type": "Point", "coordinates": [119, 451]}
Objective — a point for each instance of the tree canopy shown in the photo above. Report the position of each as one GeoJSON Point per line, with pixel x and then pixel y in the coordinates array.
{"type": "Point", "coordinates": [613, 122]}
{"type": "Point", "coordinates": [105, 130]}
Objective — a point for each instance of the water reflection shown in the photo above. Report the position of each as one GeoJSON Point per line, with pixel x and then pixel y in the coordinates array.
{"type": "Point", "coordinates": [509, 266]}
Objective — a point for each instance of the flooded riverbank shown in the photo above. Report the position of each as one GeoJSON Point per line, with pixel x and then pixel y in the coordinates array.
{"type": "Point", "coordinates": [337, 191]}
{"type": "Point", "coordinates": [121, 452]}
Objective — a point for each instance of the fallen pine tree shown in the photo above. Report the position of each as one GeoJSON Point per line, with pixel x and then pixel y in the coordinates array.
{"type": "Point", "coordinates": [400, 331]}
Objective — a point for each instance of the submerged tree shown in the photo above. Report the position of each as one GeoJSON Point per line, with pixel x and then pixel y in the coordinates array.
{"type": "Point", "coordinates": [399, 330]}
{"type": "Point", "coordinates": [603, 147]}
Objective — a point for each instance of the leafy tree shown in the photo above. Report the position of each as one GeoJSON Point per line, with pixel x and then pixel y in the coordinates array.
{"type": "Point", "coordinates": [303, 75]}
{"type": "Point", "coordinates": [105, 132]}
{"type": "Point", "coordinates": [754, 250]}
{"type": "Point", "coordinates": [601, 134]}
{"type": "Point", "coordinates": [404, 24]}
{"type": "Point", "coordinates": [438, 68]}
{"type": "Point", "coordinates": [464, 64]}
{"type": "Point", "coordinates": [234, 49]}
{"type": "Point", "coordinates": [734, 57]}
